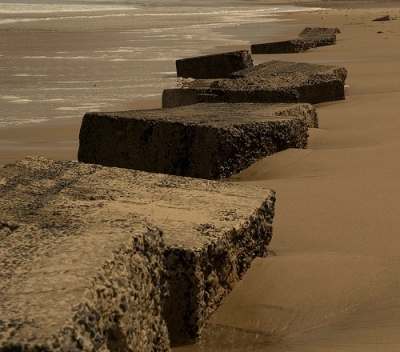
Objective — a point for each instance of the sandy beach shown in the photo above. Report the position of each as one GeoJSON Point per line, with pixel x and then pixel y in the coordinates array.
{"type": "Point", "coordinates": [334, 284]}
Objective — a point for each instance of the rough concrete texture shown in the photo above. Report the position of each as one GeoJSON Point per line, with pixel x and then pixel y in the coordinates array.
{"type": "Point", "coordinates": [214, 66]}
{"type": "Point", "coordinates": [210, 141]}
{"type": "Point", "coordinates": [63, 288]}
{"type": "Point", "coordinates": [76, 275]}
{"type": "Point", "coordinates": [310, 83]}
{"type": "Point", "coordinates": [286, 69]}
{"type": "Point", "coordinates": [298, 45]}
{"type": "Point", "coordinates": [318, 31]}
{"type": "Point", "coordinates": [310, 37]}
{"type": "Point", "coordinates": [270, 82]}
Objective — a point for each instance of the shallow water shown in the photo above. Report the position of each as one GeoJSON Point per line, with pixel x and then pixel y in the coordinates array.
{"type": "Point", "coordinates": [61, 59]}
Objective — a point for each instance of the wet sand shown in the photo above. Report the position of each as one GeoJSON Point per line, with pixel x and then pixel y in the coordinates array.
{"type": "Point", "coordinates": [56, 140]}
{"type": "Point", "coordinates": [334, 284]}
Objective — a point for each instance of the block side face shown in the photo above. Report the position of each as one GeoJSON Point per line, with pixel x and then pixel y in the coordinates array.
{"type": "Point", "coordinates": [210, 273]}
{"type": "Point", "coordinates": [287, 46]}
{"type": "Point", "coordinates": [209, 141]}
{"type": "Point", "coordinates": [59, 296]}
{"type": "Point", "coordinates": [75, 274]}
{"type": "Point", "coordinates": [172, 98]}
{"type": "Point", "coordinates": [121, 310]}
{"type": "Point", "coordinates": [322, 91]}
{"type": "Point", "coordinates": [213, 66]}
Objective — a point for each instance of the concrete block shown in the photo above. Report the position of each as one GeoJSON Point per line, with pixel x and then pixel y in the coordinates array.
{"type": "Point", "coordinates": [310, 37]}
{"type": "Point", "coordinates": [281, 72]}
{"type": "Point", "coordinates": [270, 82]}
{"type": "Point", "coordinates": [80, 257]}
{"type": "Point", "coordinates": [318, 32]}
{"type": "Point", "coordinates": [311, 83]}
{"type": "Point", "coordinates": [285, 46]}
{"type": "Point", "coordinates": [76, 275]}
{"type": "Point", "coordinates": [293, 46]}
{"type": "Point", "coordinates": [214, 66]}
{"type": "Point", "coordinates": [210, 141]}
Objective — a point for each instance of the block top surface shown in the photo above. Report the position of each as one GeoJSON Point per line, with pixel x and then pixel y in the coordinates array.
{"type": "Point", "coordinates": [213, 115]}
{"type": "Point", "coordinates": [94, 199]}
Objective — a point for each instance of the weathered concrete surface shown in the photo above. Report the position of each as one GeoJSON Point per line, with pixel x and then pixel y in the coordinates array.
{"type": "Point", "coordinates": [310, 37]}
{"type": "Point", "coordinates": [75, 274]}
{"type": "Point", "coordinates": [311, 83]}
{"type": "Point", "coordinates": [62, 286]}
{"type": "Point", "coordinates": [298, 45]}
{"type": "Point", "coordinates": [270, 82]}
{"type": "Point", "coordinates": [210, 141]}
{"type": "Point", "coordinates": [281, 72]}
{"type": "Point", "coordinates": [214, 66]}
{"type": "Point", "coordinates": [318, 31]}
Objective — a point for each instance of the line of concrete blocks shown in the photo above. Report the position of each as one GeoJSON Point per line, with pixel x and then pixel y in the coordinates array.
{"type": "Point", "coordinates": [102, 247]}
{"type": "Point", "coordinates": [107, 259]}
{"type": "Point", "coordinates": [223, 65]}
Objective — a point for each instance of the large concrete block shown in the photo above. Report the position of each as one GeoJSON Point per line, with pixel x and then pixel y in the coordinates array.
{"type": "Point", "coordinates": [276, 74]}
{"type": "Point", "coordinates": [76, 275]}
{"type": "Point", "coordinates": [270, 82]}
{"type": "Point", "coordinates": [214, 66]}
{"type": "Point", "coordinates": [210, 141]}
{"type": "Point", "coordinates": [318, 32]}
{"type": "Point", "coordinates": [81, 268]}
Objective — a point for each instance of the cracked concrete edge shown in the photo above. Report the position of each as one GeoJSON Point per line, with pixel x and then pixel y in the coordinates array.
{"type": "Point", "coordinates": [120, 309]}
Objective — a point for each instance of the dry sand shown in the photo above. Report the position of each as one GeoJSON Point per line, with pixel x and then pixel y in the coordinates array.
{"type": "Point", "coordinates": [334, 283]}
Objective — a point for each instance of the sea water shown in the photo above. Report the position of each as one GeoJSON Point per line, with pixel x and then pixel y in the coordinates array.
{"type": "Point", "coordinates": [60, 59]}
